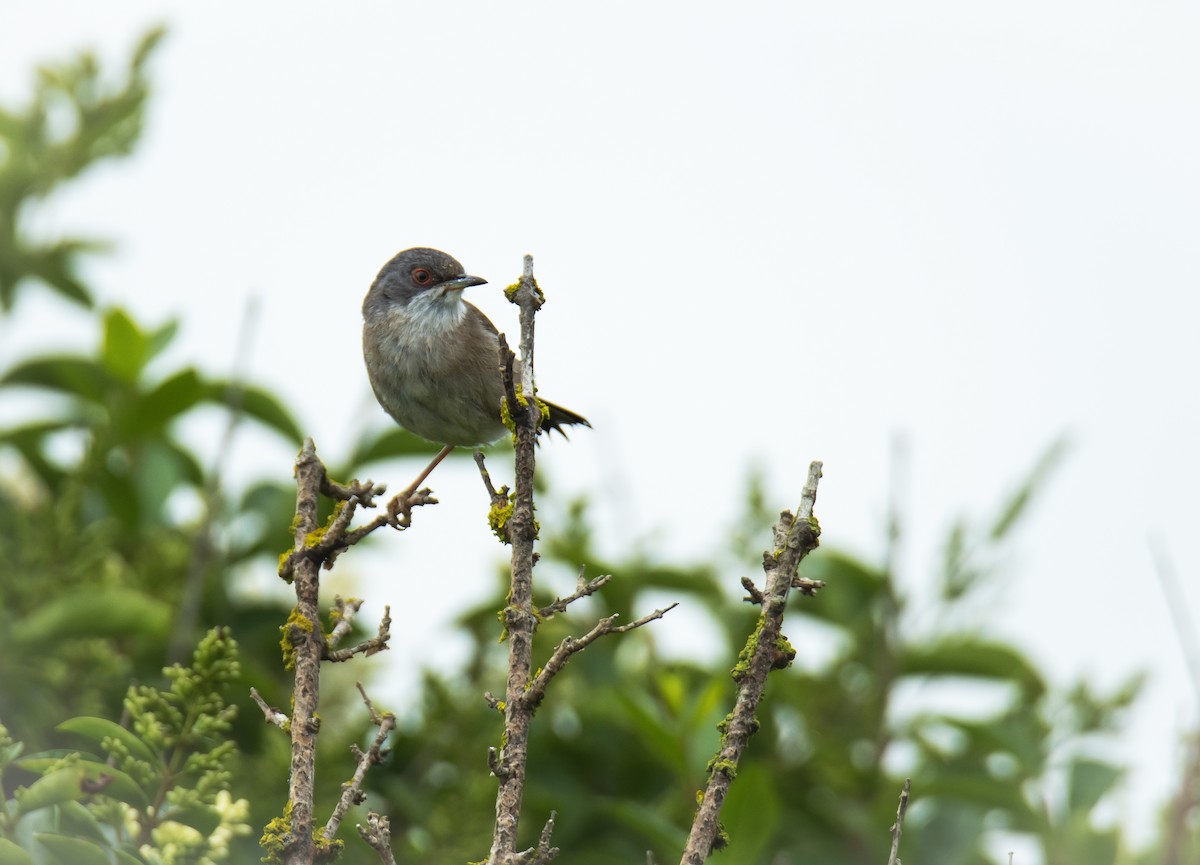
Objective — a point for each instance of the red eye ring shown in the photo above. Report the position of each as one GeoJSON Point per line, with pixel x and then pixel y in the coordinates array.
{"type": "Point", "coordinates": [421, 276]}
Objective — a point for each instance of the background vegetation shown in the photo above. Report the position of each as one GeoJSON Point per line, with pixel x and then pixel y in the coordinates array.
{"type": "Point", "coordinates": [106, 580]}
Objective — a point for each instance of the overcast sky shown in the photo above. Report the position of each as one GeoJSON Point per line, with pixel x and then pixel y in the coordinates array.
{"type": "Point", "coordinates": [769, 232]}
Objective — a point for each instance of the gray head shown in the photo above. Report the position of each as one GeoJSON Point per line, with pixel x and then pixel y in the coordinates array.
{"type": "Point", "coordinates": [413, 272]}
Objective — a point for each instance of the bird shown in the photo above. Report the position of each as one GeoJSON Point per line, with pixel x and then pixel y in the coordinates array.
{"type": "Point", "coordinates": [433, 358]}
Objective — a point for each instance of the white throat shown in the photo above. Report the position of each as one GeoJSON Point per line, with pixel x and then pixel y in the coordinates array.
{"type": "Point", "coordinates": [432, 314]}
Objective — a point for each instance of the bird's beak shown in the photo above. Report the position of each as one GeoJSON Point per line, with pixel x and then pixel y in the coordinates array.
{"type": "Point", "coordinates": [460, 282]}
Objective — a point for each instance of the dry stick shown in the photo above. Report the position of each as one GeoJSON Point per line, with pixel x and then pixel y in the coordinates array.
{"type": "Point", "coordinates": [795, 537]}
{"type": "Point", "coordinates": [898, 826]}
{"type": "Point", "coordinates": [519, 616]}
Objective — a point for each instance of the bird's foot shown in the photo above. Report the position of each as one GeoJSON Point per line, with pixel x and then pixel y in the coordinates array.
{"type": "Point", "coordinates": [399, 509]}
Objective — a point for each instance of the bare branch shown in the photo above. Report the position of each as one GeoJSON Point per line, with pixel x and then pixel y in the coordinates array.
{"type": "Point", "coordinates": [352, 793]}
{"type": "Point", "coordinates": [898, 826]}
{"type": "Point", "coordinates": [270, 713]}
{"type": "Point", "coordinates": [536, 691]}
{"type": "Point", "coordinates": [753, 595]}
{"type": "Point", "coordinates": [583, 588]}
{"type": "Point", "coordinates": [368, 647]}
{"type": "Point", "coordinates": [543, 852]}
{"type": "Point", "coordinates": [766, 650]}
{"type": "Point", "coordinates": [343, 613]}
{"type": "Point", "coordinates": [378, 834]}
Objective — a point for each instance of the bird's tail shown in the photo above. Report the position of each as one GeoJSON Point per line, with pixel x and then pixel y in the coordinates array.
{"type": "Point", "coordinates": [560, 417]}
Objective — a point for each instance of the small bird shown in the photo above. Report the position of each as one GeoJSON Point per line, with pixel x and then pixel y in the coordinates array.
{"type": "Point", "coordinates": [433, 359]}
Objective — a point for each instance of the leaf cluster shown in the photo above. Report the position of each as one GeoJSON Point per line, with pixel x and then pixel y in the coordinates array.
{"type": "Point", "coordinates": [161, 797]}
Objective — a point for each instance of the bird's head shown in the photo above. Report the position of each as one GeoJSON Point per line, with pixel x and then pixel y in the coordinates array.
{"type": "Point", "coordinates": [421, 272]}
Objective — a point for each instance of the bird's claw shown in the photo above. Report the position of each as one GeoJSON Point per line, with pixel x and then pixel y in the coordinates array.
{"type": "Point", "coordinates": [399, 509]}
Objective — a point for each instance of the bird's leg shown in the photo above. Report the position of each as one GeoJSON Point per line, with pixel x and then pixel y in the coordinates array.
{"type": "Point", "coordinates": [442, 454]}
{"type": "Point", "coordinates": [400, 503]}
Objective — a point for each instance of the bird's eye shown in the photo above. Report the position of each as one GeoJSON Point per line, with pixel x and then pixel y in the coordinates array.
{"type": "Point", "coordinates": [421, 276]}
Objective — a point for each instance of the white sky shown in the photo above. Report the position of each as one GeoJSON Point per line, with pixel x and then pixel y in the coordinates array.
{"type": "Point", "coordinates": [770, 232]}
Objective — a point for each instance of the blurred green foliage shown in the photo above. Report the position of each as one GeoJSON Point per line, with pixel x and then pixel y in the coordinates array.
{"type": "Point", "coordinates": [161, 796]}
{"type": "Point", "coordinates": [102, 567]}
{"type": "Point", "coordinates": [620, 746]}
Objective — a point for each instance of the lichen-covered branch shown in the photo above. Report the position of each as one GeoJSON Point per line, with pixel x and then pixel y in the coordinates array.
{"type": "Point", "coordinates": [290, 839]}
{"type": "Point", "coordinates": [766, 650]}
{"type": "Point", "coordinates": [367, 647]}
{"type": "Point", "coordinates": [323, 544]}
{"type": "Point", "coordinates": [303, 634]}
{"type": "Point", "coordinates": [512, 519]}
{"type": "Point", "coordinates": [519, 618]}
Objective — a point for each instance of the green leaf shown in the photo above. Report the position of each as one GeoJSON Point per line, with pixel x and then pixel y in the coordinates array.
{"type": "Point", "coordinates": [97, 729]}
{"type": "Point", "coordinates": [69, 375]}
{"type": "Point", "coordinates": [649, 823]}
{"type": "Point", "coordinates": [54, 264]}
{"type": "Point", "coordinates": [11, 854]}
{"type": "Point", "coordinates": [203, 818]}
{"type": "Point", "coordinates": [10, 752]}
{"type": "Point", "coordinates": [95, 612]}
{"type": "Point", "coordinates": [73, 851]}
{"type": "Point", "coordinates": [255, 403]}
{"type": "Point", "coordinates": [125, 349]}
{"type": "Point", "coordinates": [1018, 503]}
{"type": "Point", "coordinates": [75, 819]}
{"type": "Point", "coordinates": [166, 401]}
{"type": "Point", "coordinates": [389, 443]}
{"type": "Point", "coordinates": [962, 656]}
{"type": "Point", "coordinates": [101, 777]}
{"type": "Point", "coordinates": [1088, 781]}
{"type": "Point", "coordinates": [61, 785]}
{"type": "Point", "coordinates": [161, 338]}
{"type": "Point", "coordinates": [644, 718]}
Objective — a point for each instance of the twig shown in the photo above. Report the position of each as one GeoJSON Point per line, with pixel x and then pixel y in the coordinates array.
{"type": "Point", "coordinates": [898, 826]}
{"type": "Point", "coordinates": [543, 852]}
{"type": "Point", "coordinates": [583, 588]}
{"type": "Point", "coordinates": [368, 647]}
{"type": "Point", "coordinates": [572, 646]}
{"type": "Point", "coordinates": [766, 650]}
{"type": "Point", "coordinates": [352, 793]}
{"type": "Point", "coordinates": [270, 713]}
{"type": "Point", "coordinates": [378, 834]}
{"type": "Point", "coordinates": [343, 613]}
{"type": "Point", "coordinates": [324, 544]}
